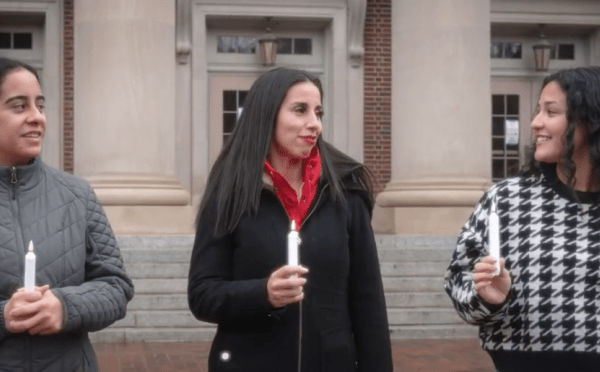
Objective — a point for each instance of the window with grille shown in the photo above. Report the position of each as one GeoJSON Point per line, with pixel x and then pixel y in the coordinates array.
{"type": "Point", "coordinates": [505, 136]}
{"type": "Point", "coordinates": [233, 103]}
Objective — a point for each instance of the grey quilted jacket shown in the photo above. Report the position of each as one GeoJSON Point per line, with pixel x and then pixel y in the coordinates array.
{"type": "Point", "coordinates": [77, 255]}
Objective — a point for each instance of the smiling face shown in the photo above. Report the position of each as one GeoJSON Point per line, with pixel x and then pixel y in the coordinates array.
{"type": "Point", "coordinates": [298, 123]}
{"type": "Point", "coordinates": [550, 123]}
{"type": "Point", "coordinates": [22, 118]}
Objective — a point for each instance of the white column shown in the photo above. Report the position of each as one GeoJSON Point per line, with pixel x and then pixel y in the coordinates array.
{"type": "Point", "coordinates": [125, 130]}
{"type": "Point", "coordinates": [441, 139]}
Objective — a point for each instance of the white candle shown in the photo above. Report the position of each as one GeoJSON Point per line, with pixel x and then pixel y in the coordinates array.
{"type": "Point", "coordinates": [30, 268]}
{"type": "Point", "coordinates": [293, 241]}
{"type": "Point", "coordinates": [494, 239]}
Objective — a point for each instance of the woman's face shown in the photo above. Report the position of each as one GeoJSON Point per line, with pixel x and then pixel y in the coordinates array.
{"type": "Point", "coordinates": [22, 118]}
{"type": "Point", "coordinates": [550, 123]}
{"type": "Point", "coordinates": [298, 122]}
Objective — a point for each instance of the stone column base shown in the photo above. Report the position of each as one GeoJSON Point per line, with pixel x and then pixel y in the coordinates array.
{"type": "Point", "coordinates": [141, 204]}
{"type": "Point", "coordinates": [427, 206]}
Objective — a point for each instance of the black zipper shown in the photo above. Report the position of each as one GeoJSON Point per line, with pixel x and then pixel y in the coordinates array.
{"type": "Point", "coordinates": [13, 181]}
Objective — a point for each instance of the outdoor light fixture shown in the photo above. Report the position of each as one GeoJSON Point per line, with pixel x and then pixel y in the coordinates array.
{"type": "Point", "coordinates": [541, 52]}
{"type": "Point", "coordinates": [268, 46]}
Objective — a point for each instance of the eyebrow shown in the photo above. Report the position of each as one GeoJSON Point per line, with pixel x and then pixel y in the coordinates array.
{"type": "Point", "coordinates": [22, 97]}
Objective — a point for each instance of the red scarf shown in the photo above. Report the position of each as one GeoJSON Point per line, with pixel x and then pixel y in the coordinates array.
{"type": "Point", "coordinates": [311, 171]}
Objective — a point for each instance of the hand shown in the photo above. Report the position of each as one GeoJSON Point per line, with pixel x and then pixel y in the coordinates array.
{"type": "Point", "coordinates": [492, 289]}
{"type": "Point", "coordinates": [284, 286]}
{"type": "Point", "coordinates": [43, 316]}
{"type": "Point", "coordinates": [19, 299]}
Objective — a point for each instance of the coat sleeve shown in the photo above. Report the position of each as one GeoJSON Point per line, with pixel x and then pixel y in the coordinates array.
{"type": "Point", "coordinates": [367, 300]}
{"type": "Point", "coordinates": [470, 248]}
{"type": "Point", "coordinates": [103, 296]}
{"type": "Point", "coordinates": [213, 294]}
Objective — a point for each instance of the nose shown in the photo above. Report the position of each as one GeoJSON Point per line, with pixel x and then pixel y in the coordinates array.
{"type": "Point", "coordinates": [314, 122]}
{"type": "Point", "coordinates": [536, 122]}
{"type": "Point", "coordinates": [36, 116]}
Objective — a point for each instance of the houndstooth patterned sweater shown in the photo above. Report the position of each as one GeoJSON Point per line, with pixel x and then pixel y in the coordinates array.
{"type": "Point", "coordinates": [551, 242]}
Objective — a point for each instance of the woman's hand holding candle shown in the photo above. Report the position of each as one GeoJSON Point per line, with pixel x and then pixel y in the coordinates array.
{"type": "Point", "coordinates": [35, 312]}
{"type": "Point", "coordinates": [492, 288]}
{"type": "Point", "coordinates": [285, 285]}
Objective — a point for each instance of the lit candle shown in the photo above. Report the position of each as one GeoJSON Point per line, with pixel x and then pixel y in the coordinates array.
{"type": "Point", "coordinates": [494, 239]}
{"type": "Point", "coordinates": [293, 241]}
{"type": "Point", "coordinates": [30, 268]}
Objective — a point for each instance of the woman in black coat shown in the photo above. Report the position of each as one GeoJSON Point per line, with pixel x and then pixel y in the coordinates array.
{"type": "Point", "coordinates": [326, 314]}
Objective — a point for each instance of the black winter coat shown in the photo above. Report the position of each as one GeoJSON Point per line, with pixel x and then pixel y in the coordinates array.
{"type": "Point", "coordinates": [344, 317]}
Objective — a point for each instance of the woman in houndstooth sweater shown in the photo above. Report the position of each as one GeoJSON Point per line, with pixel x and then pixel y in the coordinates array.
{"type": "Point", "coordinates": [542, 312]}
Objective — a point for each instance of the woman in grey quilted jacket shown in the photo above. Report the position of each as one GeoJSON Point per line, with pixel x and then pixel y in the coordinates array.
{"type": "Point", "coordinates": [80, 280]}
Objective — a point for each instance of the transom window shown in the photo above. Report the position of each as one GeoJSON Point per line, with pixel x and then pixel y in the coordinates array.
{"type": "Point", "coordinates": [248, 45]}
{"type": "Point", "coordinates": [16, 40]}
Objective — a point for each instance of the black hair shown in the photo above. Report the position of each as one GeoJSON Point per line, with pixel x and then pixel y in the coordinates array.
{"type": "Point", "coordinates": [9, 65]}
{"type": "Point", "coordinates": [235, 180]}
{"type": "Point", "coordinates": [582, 90]}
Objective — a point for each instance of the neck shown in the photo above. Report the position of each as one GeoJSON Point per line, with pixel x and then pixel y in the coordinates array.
{"type": "Point", "coordinates": [585, 178]}
{"type": "Point", "coordinates": [289, 168]}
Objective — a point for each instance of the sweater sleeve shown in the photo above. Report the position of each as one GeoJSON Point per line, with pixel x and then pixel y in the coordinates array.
{"type": "Point", "coordinates": [471, 247]}
{"type": "Point", "coordinates": [103, 296]}
{"type": "Point", "coordinates": [213, 294]}
{"type": "Point", "coordinates": [367, 300]}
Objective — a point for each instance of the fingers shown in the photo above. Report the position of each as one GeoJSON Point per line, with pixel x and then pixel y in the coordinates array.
{"type": "Point", "coordinates": [44, 316]}
{"type": "Point", "coordinates": [285, 285]}
{"type": "Point", "coordinates": [288, 271]}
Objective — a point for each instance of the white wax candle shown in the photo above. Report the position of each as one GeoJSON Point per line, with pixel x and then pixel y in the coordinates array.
{"type": "Point", "coordinates": [30, 268]}
{"type": "Point", "coordinates": [494, 239]}
{"type": "Point", "coordinates": [293, 240]}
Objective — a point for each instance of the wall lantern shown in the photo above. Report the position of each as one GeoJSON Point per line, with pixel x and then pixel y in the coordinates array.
{"type": "Point", "coordinates": [268, 46]}
{"type": "Point", "coordinates": [541, 52]}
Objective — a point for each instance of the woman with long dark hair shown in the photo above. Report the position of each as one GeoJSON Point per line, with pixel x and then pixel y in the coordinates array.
{"type": "Point", "coordinates": [541, 311]}
{"type": "Point", "coordinates": [77, 282]}
{"type": "Point", "coordinates": [326, 314]}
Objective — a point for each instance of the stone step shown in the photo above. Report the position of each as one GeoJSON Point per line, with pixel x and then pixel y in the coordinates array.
{"type": "Point", "coordinates": [414, 284]}
{"type": "Point", "coordinates": [384, 241]}
{"type": "Point", "coordinates": [185, 319]}
{"type": "Point", "coordinates": [140, 270]}
{"type": "Point", "coordinates": [141, 301]}
{"type": "Point", "coordinates": [434, 331]}
{"type": "Point", "coordinates": [114, 335]}
{"type": "Point", "coordinates": [397, 269]}
{"type": "Point", "coordinates": [425, 254]}
{"type": "Point", "coordinates": [423, 316]}
{"type": "Point", "coordinates": [135, 256]}
{"type": "Point", "coordinates": [160, 286]}
{"type": "Point", "coordinates": [155, 242]}
{"type": "Point", "coordinates": [178, 301]}
{"type": "Point", "coordinates": [412, 300]}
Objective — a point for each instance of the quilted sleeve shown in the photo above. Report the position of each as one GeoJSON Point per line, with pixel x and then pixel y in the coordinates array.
{"type": "Point", "coordinates": [470, 248]}
{"type": "Point", "coordinates": [102, 298]}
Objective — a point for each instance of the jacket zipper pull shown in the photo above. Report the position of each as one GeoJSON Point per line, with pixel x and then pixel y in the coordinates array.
{"type": "Point", "coordinates": [13, 180]}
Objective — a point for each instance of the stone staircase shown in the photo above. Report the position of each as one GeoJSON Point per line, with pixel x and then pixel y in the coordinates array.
{"type": "Point", "coordinates": [412, 267]}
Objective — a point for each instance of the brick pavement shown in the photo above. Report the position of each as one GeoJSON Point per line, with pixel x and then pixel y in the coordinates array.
{"type": "Point", "coordinates": [414, 355]}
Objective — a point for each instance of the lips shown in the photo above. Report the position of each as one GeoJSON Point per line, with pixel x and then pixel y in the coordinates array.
{"type": "Point", "coordinates": [33, 135]}
{"type": "Point", "coordinates": [309, 139]}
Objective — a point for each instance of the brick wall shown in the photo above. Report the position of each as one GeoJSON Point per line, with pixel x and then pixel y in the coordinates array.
{"type": "Point", "coordinates": [378, 91]}
{"type": "Point", "coordinates": [68, 86]}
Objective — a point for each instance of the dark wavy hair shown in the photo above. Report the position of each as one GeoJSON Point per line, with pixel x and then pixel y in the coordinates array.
{"type": "Point", "coordinates": [582, 90]}
{"type": "Point", "coordinates": [235, 180]}
{"type": "Point", "coordinates": [10, 65]}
